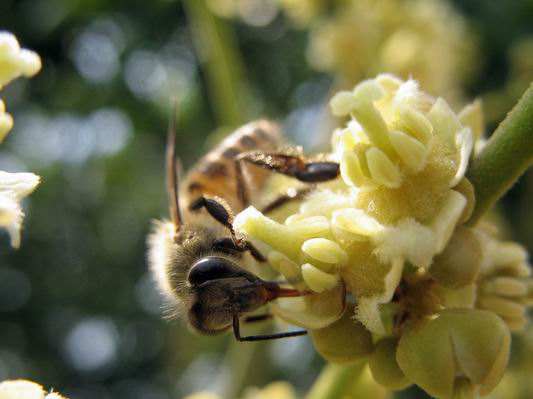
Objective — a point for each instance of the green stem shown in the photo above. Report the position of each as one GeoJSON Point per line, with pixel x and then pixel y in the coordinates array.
{"type": "Point", "coordinates": [506, 156]}
{"type": "Point", "coordinates": [334, 381]}
{"type": "Point", "coordinates": [216, 47]}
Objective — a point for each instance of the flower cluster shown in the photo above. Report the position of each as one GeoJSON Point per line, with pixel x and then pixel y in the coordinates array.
{"type": "Point", "coordinates": [397, 277]}
{"type": "Point", "coordinates": [427, 39]}
{"type": "Point", "coordinates": [23, 389]}
{"type": "Point", "coordinates": [14, 62]}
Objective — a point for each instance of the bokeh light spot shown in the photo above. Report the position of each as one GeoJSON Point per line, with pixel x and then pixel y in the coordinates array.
{"type": "Point", "coordinates": [92, 344]}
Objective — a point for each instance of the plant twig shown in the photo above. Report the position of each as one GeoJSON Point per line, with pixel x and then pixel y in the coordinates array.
{"type": "Point", "coordinates": [506, 156]}
{"type": "Point", "coordinates": [216, 48]}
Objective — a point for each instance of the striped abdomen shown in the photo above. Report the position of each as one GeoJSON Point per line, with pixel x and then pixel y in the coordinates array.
{"type": "Point", "coordinates": [214, 174]}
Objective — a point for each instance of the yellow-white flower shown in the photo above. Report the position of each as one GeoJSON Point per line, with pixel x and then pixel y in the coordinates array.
{"type": "Point", "coordinates": [6, 121]}
{"type": "Point", "coordinates": [426, 39]}
{"type": "Point", "coordinates": [23, 389]}
{"type": "Point", "coordinates": [13, 188]}
{"type": "Point", "coordinates": [14, 62]}
{"type": "Point", "coordinates": [403, 155]}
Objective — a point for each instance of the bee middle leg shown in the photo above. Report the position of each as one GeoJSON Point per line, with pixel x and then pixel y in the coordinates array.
{"type": "Point", "coordinates": [296, 166]}
{"type": "Point", "coordinates": [264, 337]}
{"type": "Point", "coordinates": [292, 194]}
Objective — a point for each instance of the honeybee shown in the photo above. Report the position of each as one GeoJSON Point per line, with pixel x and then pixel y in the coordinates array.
{"type": "Point", "coordinates": [197, 257]}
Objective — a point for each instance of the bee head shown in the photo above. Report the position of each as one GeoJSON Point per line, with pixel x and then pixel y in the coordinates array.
{"type": "Point", "coordinates": [222, 289]}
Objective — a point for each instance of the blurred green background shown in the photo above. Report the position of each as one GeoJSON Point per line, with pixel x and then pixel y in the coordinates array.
{"type": "Point", "coordinates": [78, 310]}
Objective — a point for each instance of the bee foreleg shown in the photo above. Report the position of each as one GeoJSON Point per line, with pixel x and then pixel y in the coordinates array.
{"type": "Point", "coordinates": [238, 337]}
{"type": "Point", "coordinates": [218, 209]}
{"type": "Point", "coordinates": [295, 166]}
{"type": "Point", "coordinates": [229, 245]}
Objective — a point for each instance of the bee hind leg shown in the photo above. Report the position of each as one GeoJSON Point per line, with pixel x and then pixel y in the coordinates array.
{"type": "Point", "coordinates": [264, 337]}
{"type": "Point", "coordinates": [296, 166]}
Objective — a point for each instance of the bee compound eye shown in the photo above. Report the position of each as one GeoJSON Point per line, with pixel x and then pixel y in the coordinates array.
{"type": "Point", "coordinates": [211, 268]}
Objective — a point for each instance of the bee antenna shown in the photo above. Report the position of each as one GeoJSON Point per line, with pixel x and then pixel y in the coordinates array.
{"type": "Point", "coordinates": [173, 170]}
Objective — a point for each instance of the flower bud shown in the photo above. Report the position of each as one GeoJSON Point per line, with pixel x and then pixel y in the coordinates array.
{"type": "Point", "coordinates": [384, 366]}
{"type": "Point", "coordinates": [459, 263]}
{"type": "Point", "coordinates": [504, 285]}
{"type": "Point", "coordinates": [343, 341]}
{"type": "Point", "coordinates": [15, 61]}
{"type": "Point", "coordinates": [457, 343]}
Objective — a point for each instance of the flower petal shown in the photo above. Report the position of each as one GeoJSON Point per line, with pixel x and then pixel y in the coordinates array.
{"type": "Point", "coordinates": [367, 311]}
{"type": "Point", "coordinates": [465, 143]}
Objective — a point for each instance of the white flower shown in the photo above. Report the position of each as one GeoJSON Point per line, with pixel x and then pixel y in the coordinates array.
{"type": "Point", "coordinates": [6, 121]}
{"type": "Point", "coordinates": [13, 188]}
{"type": "Point", "coordinates": [14, 61]}
{"type": "Point", "coordinates": [23, 389]}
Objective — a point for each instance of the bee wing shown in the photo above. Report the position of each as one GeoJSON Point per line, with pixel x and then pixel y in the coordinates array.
{"type": "Point", "coordinates": [214, 175]}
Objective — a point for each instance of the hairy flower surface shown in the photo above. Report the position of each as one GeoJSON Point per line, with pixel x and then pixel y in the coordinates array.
{"type": "Point", "coordinates": [14, 62]}
{"type": "Point", "coordinates": [23, 389]}
{"type": "Point", "coordinates": [395, 276]}
{"type": "Point", "coordinates": [426, 39]}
